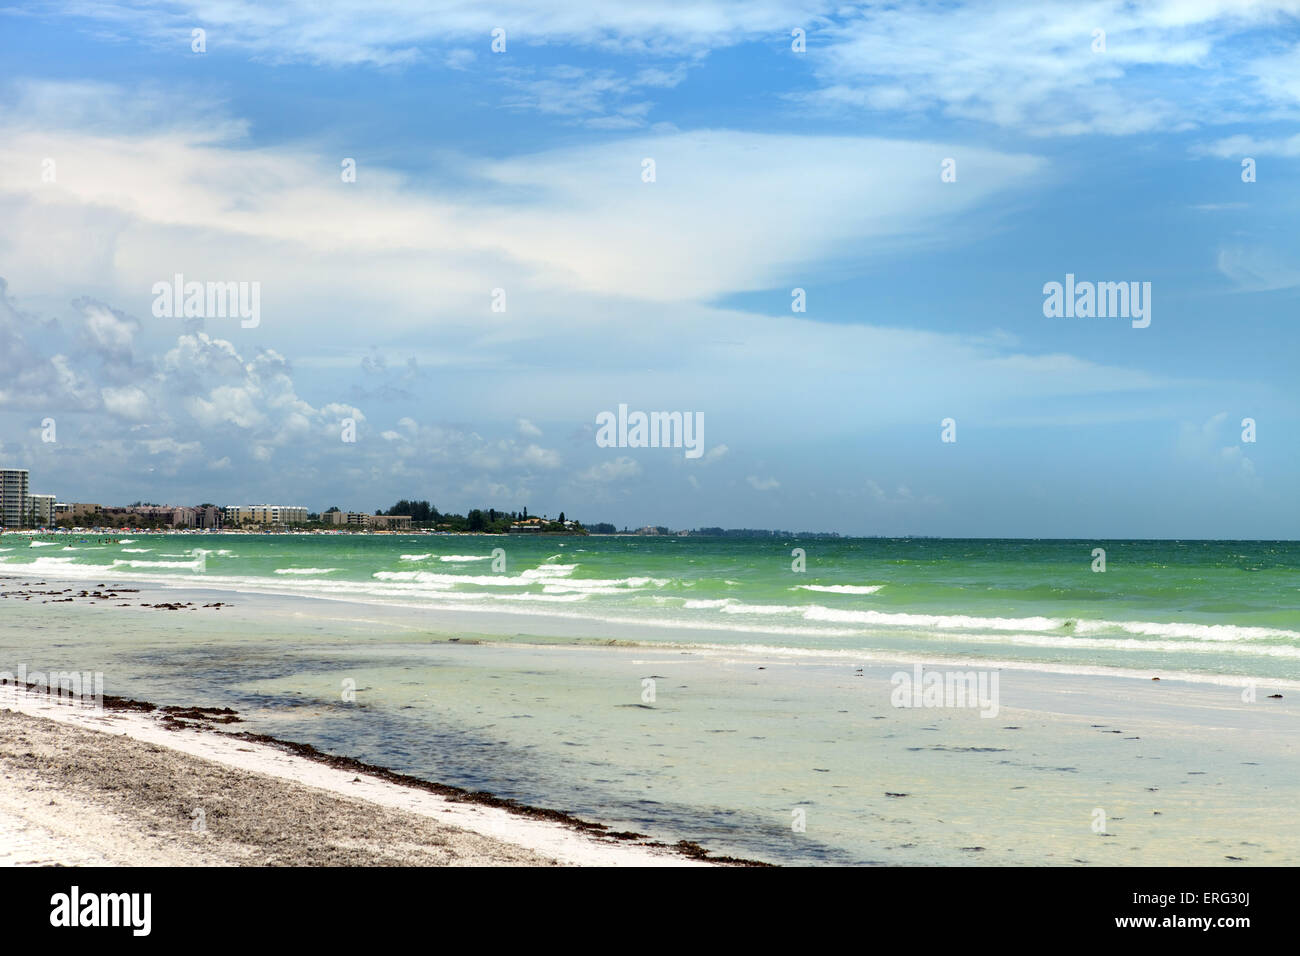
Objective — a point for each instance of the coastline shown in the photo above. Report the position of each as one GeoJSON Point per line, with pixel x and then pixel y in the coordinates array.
{"type": "Point", "coordinates": [349, 808]}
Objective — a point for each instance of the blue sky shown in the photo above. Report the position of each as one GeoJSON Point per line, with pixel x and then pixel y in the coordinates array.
{"type": "Point", "coordinates": [775, 170]}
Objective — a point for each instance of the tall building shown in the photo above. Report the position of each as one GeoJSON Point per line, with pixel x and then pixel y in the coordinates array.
{"type": "Point", "coordinates": [13, 497]}
{"type": "Point", "coordinates": [40, 510]}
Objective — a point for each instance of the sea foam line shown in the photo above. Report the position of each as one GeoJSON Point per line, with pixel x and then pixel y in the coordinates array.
{"type": "Point", "coordinates": [840, 588]}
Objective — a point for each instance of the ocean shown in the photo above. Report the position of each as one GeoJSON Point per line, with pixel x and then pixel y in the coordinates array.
{"type": "Point", "coordinates": [1194, 607]}
{"type": "Point", "coordinates": [734, 692]}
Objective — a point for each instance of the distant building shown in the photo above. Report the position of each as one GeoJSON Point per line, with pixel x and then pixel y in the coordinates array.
{"type": "Point", "coordinates": [349, 518]}
{"type": "Point", "coordinates": [82, 513]}
{"type": "Point", "coordinates": [357, 519]}
{"type": "Point", "coordinates": [166, 514]}
{"type": "Point", "coordinates": [40, 510]}
{"type": "Point", "coordinates": [236, 515]}
{"type": "Point", "coordinates": [207, 517]}
{"type": "Point", "coordinates": [115, 518]}
{"type": "Point", "coordinates": [13, 497]}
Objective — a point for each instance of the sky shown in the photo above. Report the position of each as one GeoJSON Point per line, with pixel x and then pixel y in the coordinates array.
{"type": "Point", "coordinates": [558, 211]}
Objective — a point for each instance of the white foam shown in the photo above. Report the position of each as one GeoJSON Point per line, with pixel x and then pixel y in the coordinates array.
{"type": "Point", "coordinates": [1133, 644]}
{"type": "Point", "coordinates": [526, 577]}
{"type": "Point", "coordinates": [1200, 632]}
{"type": "Point", "coordinates": [416, 557]}
{"type": "Point", "coordinates": [940, 621]}
{"type": "Point", "coordinates": [461, 558]}
{"type": "Point", "coordinates": [47, 544]}
{"type": "Point", "coordinates": [136, 550]}
{"type": "Point", "coordinates": [55, 563]}
{"type": "Point", "coordinates": [305, 570]}
{"type": "Point", "coordinates": [195, 565]}
{"type": "Point", "coordinates": [840, 588]}
{"type": "Point", "coordinates": [735, 607]}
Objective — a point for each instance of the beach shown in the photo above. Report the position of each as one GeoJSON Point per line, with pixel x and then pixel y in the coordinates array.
{"type": "Point", "coordinates": [118, 788]}
{"type": "Point", "coordinates": [746, 735]}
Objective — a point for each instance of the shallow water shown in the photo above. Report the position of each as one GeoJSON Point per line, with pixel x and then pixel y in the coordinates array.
{"type": "Point", "coordinates": [735, 741]}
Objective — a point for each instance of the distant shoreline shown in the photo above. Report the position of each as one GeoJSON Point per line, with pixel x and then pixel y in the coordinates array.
{"type": "Point", "coordinates": [757, 533]}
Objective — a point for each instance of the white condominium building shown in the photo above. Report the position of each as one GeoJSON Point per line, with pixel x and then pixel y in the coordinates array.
{"type": "Point", "coordinates": [13, 497]}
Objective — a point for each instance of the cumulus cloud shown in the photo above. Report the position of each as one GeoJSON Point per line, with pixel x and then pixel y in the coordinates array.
{"type": "Point", "coordinates": [199, 400]}
{"type": "Point", "coordinates": [538, 457]}
{"type": "Point", "coordinates": [1204, 444]}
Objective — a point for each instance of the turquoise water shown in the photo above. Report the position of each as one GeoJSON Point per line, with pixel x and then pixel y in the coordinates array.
{"type": "Point", "coordinates": [1191, 607]}
{"type": "Point", "coordinates": [772, 687]}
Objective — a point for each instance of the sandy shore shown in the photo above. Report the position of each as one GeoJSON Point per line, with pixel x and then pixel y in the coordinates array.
{"type": "Point", "coordinates": [114, 788]}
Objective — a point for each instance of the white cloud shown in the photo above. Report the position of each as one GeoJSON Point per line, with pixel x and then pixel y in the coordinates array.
{"type": "Point", "coordinates": [1033, 67]}
{"type": "Point", "coordinates": [605, 471]}
{"type": "Point", "coordinates": [111, 332]}
{"type": "Point", "coordinates": [1242, 145]}
{"type": "Point", "coordinates": [1258, 268]}
{"type": "Point", "coordinates": [1203, 444]}
{"type": "Point", "coordinates": [395, 33]}
{"type": "Point", "coordinates": [1166, 64]}
{"type": "Point", "coordinates": [129, 402]}
{"type": "Point", "coordinates": [763, 484]}
{"type": "Point", "coordinates": [119, 219]}
{"type": "Point", "coordinates": [537, 457]}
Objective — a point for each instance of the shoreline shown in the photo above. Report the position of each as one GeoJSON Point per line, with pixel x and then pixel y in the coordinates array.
{"type": "Point", "coordinates": [554, 836]}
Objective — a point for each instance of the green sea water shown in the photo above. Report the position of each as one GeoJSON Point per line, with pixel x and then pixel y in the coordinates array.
{"type": "Point", "coordinates": [710, 689]}
{"type": "Point", "coordinates": [1195, 607]}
